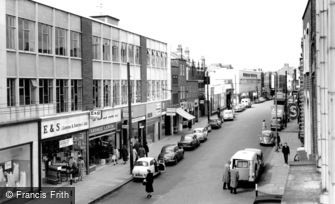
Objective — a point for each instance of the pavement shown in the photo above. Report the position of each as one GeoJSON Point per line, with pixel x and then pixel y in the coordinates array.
{"type": "Point", "coordinates": [109, 178]}
{"type": "Point", "coordinates": [275, 177]}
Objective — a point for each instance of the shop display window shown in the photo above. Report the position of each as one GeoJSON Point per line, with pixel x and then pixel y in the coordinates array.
{"type": "Point", "coordinates": [15, 166]}
{"type": "Point", "coordinates": [101, 149]}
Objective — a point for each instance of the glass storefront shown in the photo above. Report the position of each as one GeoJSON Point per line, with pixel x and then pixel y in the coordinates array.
{"type": "Point", "coordinates": [15, 166]}
{"type": "Point", "coordinates": [56, 154]}
{"type": "Point", "coordinates": [101, 148]}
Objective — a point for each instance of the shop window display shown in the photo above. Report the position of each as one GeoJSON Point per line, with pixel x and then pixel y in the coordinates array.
{"type": "Point", "coordinates": [60, 158]}
{"type": "Point", "coordinates": [101, 149]}
{"type": "Point", "coordinates": [15, 166]}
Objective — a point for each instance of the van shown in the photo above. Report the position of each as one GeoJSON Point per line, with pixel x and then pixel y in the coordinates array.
{"type": "Point", "coordinates": [249, 163]}
{"type": "Point", "coordinates": [246, 102]}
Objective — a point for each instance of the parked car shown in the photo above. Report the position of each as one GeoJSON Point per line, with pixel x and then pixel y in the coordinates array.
{"type": "Point", "coordinates": [209, 128]}
{"type": "Point", "coordinates": [249, 163]}
{"type": "Point", "coordinates": [228, 115]}
{"type": "Point", "coordinates": [267, 138]}
{"type": "Point", "coordinates": [268, 198]}
{"type": "Point", "coordinates": [142, 165]}
{"type": "Point", "coordinates": [261, 99]}
{"type": "Point", "coordinates": [239, 108]}
{"type": "Point", "coordinates": [215, 123]}
{"type": "Point", "coordinates": [246, 102]}
{"type": "Point", "coordinates": [201, 134]}
{"type": "Point", "coordinates": [189, 141]}
{"type": "Point", "coordinates": [171, 153]}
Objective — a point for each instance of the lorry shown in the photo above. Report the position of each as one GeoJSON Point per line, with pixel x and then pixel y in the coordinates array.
{"type": "Point", "coordinates": [281, 117]}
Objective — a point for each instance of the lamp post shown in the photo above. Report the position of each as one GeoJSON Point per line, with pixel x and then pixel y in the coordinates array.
{"type": "Point", "coordinates": [207, 82]}
{"type": "Point", "coordinates": [130, 135]}
{"type": "Point", "coordinates": [276, 87]}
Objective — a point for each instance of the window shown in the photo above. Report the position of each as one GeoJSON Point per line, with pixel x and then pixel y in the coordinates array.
{"type": "Point", "coordinates": [26, 91]}
{"type": "Point", "coordinates": [96, 43]}
{"type": "Point", "coordinates": [157, 58]}
{"type": "Point", "coordinates": [10, 92]}
{"type": "Point", "coordinates": [96, 93]}
{"type": "Point", "coordinates": [123, 52]}
{"type": "Point", "coordinates": [137, 55]}
{"type": "Point", "coordinates": [148, 90]}
{"type": "Point", "coordinates": [148, 57]}
{"type": "Point", "coordinates": [45, 91]}
{"type": "Point", "coordinates": [175, 79]}
{"type": "Point", "coordinates": [115, 51]}
{"type": "Point", "coordinates": [131, 53]}
{"type": "Point", "coordinates": [116, 92]}
{"type": "Point", "coordinates": [166, 92]}
{"type": "Point", "coordinates": [158, 90]}
{"type": "Point", "coordinates": [61, 95]}
{"type": "Point", "coordinates": [60, 41]}
{"type": "Point", "coordinates": [44, 38]}
{"type": "Point", "coordinates": [26, 35]}
{"type": "Point", "coordinates": [75, 50]}
{"type": "Point", "coordinates": [76, 95]}
{"type": "Point", "coordinates": [10, 32]}
{"type": "Point", "coordinates": [124, 92]}
{"type": "Point", "coordinates": [138, 90]}
{"type": "Point", "coordinates": [175, 99]}
{"type": "Point", "coordinates": [106, 49]}
{"type": "Point", "coordinates": [107, 92]}
{"type": "Point", "coordinates": [153, 90]}
{"type": "Point", "coordinates": [153, 58]}
{"type": "Point", "coordinates": [132, 88]}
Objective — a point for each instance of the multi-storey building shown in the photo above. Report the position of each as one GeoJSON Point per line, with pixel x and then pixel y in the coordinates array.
{"type": "Point", "coordinates": [63, 82]}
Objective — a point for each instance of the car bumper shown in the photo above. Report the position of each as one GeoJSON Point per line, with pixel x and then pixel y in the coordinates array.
{"type": "Point", "coordinates": [139, 176]}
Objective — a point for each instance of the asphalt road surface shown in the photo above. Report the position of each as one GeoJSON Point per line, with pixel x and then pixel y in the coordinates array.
{"type": "Point", "coordinates": [198, 178]}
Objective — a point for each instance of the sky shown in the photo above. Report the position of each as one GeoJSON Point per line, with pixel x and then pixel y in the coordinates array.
{"type": "Point", "coordinates": [247, 34]}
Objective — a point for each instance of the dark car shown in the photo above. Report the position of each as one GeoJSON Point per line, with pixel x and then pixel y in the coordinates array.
{"type": "Point", "coordinates": [171, 153]}
{"type": "Point", "coordinates": [268, 198]}
{"type": "Point", "coordinates": [189, 141]}
{"type": "Point", "coordinates": [215, 123]}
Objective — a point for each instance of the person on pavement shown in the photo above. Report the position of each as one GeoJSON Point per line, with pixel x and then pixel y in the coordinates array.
{"type": "Point", "coordinates": [141, 152]}
{"type": "Point", "coordinates": [286, 152]}
{"type": "Point", "coordinates": [234, 176]}
{"type": "Point", "coordinates": [124, 153]}
{"type": "Point", "coordinates": [263, 125]}
{"type": "Point", "coordinates": [135, 155]}
{"type": "Point", "coordinates": [226, 176]}
{"type": "Point", "coordinates": [149, 180]}
{"type": "Point", "coordinates": [146, 148]}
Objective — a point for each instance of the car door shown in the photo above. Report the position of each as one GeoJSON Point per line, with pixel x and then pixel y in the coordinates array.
{"type": "Point", "coordinates": [160, 165]}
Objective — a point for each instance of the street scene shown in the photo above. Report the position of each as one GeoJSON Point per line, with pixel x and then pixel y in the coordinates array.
{"type": "Point", "coordinates": [106, 101]}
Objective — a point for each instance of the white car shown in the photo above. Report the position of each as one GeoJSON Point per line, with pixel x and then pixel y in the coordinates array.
{"type": "Point", "coordinates": [142, 165]}
{"type": "Point", "coordinates": [201, 133]}
{"type": "Point", "coordinates": [228, 115]}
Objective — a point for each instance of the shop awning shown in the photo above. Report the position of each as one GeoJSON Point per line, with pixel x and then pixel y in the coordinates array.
{"type": "Point", "coordinates": [184, 114]}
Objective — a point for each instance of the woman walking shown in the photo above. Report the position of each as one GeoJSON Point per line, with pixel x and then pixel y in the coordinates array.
{"type": "Point", "coordinates": [149, 180]}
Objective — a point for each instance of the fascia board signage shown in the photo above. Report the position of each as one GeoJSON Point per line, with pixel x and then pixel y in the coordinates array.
{"type": "Point", "coordinates": [61, 126]}
{"type": "Point", "coordinates": [171, 111]}
{"type": "Point", "coordinates": [66, 142]}
{"type": "Point", "coordinates": [108, 116]}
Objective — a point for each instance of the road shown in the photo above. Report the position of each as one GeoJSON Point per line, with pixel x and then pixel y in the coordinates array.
{"type": "Point", "coordinates": [197, 178]}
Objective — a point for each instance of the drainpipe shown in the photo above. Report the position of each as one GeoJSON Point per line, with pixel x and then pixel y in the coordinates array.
{"type": "Point", "coordinates": [331, 57]}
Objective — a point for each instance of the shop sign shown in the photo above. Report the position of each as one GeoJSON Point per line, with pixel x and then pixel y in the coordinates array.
{"type": "Point", "coordinates": [95, 114]}
{"type": "Point", "coordinates": [61, 126]}
{"type": "Point", "coordinates": [154, 110]}
{"type": "Point", "coordinates": [107, 117]}
{"type": "Point", "coordinates": [293, 110]}
{"type": "Point", "coordinates": [202, 101]}
{"type": "Point", "coordinates": [171, 111]}
{"type": "Point", "coordinates": [101, 129]}
{"type": "Point", "coordinates": [66, 142]}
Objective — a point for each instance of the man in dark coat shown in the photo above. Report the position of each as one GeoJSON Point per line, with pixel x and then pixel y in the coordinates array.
{"type": "Point", "coordinates": [124, 153]}
{"type": "Point", "coordinates": [286, 152]}
{"type": "Point", "coordinates": [149, 180]}
{"type": "Point", "coordinates": [146, 148]}
{"type": "Point", "coordinates": [141, 152]}
{"type": "Point", "coordinates": [234, 176]}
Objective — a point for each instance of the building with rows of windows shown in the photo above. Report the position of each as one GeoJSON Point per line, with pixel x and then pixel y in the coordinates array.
{"type": "Point", "coordinates": [64, 93]}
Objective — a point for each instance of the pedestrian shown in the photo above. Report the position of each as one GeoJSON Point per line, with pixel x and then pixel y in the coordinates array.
{"type": "Point", "coordinates": [137, 145]}
{"type": "Point", "coordinates": [286, 152]}
{"type": "Point", "coordinates": [141, 152]}
{"type": "Point", "coordinates": [124, 153]}
{"type": "Point", "coordinates": [263, 125]}
{"type": "Point", "coordinates": [81, 166]}
{"type": "Point", "coordinates": [278, 140]}
{"type": "Point", "coordinates": [115, 156]}
{"type": "Point", "coordinates": [226, 176]}
{"type": "Point", "coordinates": [146, 148]}
{"type": "Point", "coordinates": [135, 155]}
{"type": "Point", "coordinates": [189, 125]}
{"type": "Point", "coordinates": [234, 176]}
{"type": "Point", "coordinates": [149, 180]}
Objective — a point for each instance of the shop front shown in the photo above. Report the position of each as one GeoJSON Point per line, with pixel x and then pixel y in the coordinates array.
{"type": "Point", "coordinates": [18, 167]}
{"type": "Point", "coordinates": [104, 136]}
{"type": "Point", "coordinates": [153, 123]}
{"type": "Point", "coordinates": [63, 141]}
{"type": "Point", "coordinates": [138, 124]}
{"type": "Point", "coordinates": [165, 120]}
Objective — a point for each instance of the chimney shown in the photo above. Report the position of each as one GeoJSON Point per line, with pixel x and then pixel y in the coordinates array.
{"type": "Point", "coordinates": [180, 51]}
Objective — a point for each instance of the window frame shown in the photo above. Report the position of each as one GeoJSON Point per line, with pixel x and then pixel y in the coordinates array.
{"type": "Point", "coordinates": [75, 44]}
{"type": "Point", "coordinates": [10, 32]}
{"type": "Point", "coordinates": [60, 41]}
{"type": "Point", "coordinates": [44, 38]}
{"type": "Point", "coordinates": [61, 95]}
{"type": "Point", "coordinates": [24, 32]}
{"type": "Point", "coordinates": [96, 48]}
{"type": "Point", "coordinates": [76, 94]}
{"type": "Point", "coordinates": [11, 92]}
{"type": "Point", "coordinates": [45, 88]}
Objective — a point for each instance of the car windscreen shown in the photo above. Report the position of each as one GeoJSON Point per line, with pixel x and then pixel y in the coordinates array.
{"type": "Point", "coordinates": [197, 131]}
{"type": "Point", "coordinates": [241, 163]}
{"type": "Point", "coordinates": [188, 138]}
{"type": "Point", "coordinates": [228, 112]}
{"type": "Point", "coordinates": [141, 163]}
{"type": "Point", "coordinates": [168, 149]}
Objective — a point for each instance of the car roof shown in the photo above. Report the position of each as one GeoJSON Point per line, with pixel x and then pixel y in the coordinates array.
{"type": "Point", "coordinates": [147, 159]}
{"type": "Point", "coordinates": [244, 155]}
